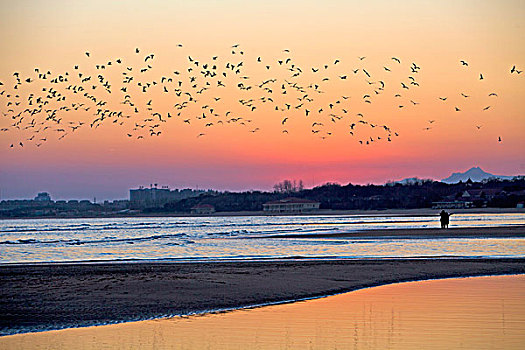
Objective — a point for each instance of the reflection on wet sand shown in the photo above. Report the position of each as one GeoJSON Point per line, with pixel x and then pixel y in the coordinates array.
{"type": "Point", "coordinates": [468, 313]}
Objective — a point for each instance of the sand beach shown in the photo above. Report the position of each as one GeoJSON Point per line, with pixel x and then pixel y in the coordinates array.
{"type": "Point", "coordinates": [54, 296]}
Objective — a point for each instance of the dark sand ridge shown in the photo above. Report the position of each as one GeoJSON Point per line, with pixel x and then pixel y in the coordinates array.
{"type": "Point", "coordinates": [53, 296]}
{"type": "Point", "coordinates": [456, 232]}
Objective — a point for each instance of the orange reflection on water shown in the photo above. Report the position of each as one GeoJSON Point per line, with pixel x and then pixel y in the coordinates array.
{"type": "Point", "coordinates": [469, 313]}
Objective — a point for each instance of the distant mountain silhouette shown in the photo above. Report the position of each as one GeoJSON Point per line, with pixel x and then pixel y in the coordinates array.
{"type": "Point", "coordinates": [476, 174]}
{"type": "Point", "coordinates": [411, 181]}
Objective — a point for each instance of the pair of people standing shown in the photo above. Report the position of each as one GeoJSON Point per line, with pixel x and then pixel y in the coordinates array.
{"type": "Point", "coordinates": [444, 218]}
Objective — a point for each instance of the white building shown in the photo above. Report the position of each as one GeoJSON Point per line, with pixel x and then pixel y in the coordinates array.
{"type": "Point", "coordinates": [291, 205]}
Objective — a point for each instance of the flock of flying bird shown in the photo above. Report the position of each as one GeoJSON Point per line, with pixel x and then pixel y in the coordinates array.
{"type": "Point", "coordinates": [207, 93]}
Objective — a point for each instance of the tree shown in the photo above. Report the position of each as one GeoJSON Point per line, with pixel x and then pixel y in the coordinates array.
{"type": "Point", "coordinates": [288, 186]}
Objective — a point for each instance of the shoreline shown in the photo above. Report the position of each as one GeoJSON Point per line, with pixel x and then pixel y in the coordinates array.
{"type": "Point", "coordinates": [253, 306]}
{"type": "Point", "coordinates": [221, 327]}
{"type": "Point", "coordinates": [322, 212]}
{"type": "Point", "coordinates": [44, 297]}
{"type": "Point", "coordinates": [510, 231]}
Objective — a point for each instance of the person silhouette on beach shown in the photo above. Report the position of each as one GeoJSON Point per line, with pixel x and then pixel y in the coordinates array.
{"type": "Point", "coordinates": [444, 218]}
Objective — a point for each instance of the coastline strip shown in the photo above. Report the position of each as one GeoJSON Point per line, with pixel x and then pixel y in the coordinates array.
{"type": "Point", "coordinates": [55, 296]}
{"type": "Point", "coordinates": [510, 231]}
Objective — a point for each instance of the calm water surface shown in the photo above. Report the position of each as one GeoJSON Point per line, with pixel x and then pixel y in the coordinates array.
{"type": "Point", "coordinates": [207, 238]}
{"type": "Point", "coordinates": [466, 313]}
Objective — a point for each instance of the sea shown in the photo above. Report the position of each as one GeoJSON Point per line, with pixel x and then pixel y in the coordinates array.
{"type": "Point", "coordinates": [187, 239]}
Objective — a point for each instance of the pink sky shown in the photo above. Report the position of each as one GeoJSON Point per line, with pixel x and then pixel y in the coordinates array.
{"type": "Point", "coordinates": [105, 162]}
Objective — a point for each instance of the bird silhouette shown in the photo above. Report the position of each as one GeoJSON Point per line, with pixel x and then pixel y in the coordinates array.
{"type": "Point", "coordinates": [194, 85]}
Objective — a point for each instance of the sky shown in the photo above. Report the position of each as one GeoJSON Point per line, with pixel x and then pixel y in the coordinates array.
{"type": "Point", "coordinates": [433, 138]}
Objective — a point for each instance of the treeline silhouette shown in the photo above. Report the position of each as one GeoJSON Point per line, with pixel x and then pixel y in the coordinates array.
{"type": "Point", "coordinates": [420, 194]}
{"type": "Point", "coordinates": [417, 194]}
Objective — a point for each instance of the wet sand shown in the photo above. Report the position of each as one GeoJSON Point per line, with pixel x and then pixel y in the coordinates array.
{"type": "Point", "coordinates": [460, 313]}
{"type": "Point", "coordinates": [456, 232]}
{"type": "Point", "coordinates": [54, 296]}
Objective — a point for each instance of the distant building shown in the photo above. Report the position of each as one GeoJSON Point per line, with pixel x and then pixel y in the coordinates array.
{"type": "Point", "coordinates": [452, 205]}
{"type": "Point", "coordinates": [203, 209]}
{"type": "Point", "coordinates": [481, 197]}
{"type": "Point", "coordinates": [482, 194]}
{"type": "Point", "coordinates": [43, 197]}
{"type": "Point", "coordinates": [291, 205]}
{"type": "Point", "coordinates": [149, 197]}
{"type": "Point", "coordinates": [116, 204]}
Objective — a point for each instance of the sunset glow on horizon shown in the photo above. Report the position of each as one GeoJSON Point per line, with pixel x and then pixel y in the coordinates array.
{"type": "Point", "coordinates": [480, 102]}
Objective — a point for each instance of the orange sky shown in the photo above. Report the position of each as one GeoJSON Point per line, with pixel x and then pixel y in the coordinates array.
{"type": "Point", "coordinates": [53, 35]}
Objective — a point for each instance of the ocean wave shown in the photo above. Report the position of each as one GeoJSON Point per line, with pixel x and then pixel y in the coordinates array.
{"type": "Point", "coordinates": [92, 227]}
{"type": "Point", "coordinates": [185, 224]}
{"type": "Point", "coordinates": [113, 239]}
{"type": "Point", "coordinates": [31, 241]}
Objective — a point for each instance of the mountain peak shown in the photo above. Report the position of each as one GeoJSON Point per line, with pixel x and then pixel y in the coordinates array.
{"type": "Point", "coordinates": [476, 174]}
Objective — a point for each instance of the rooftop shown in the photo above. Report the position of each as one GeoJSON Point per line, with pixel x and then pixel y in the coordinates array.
{"type": "Point", "coordinates": [203, 206]}
{"type": "Point", "coordinates": [291, 200]}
